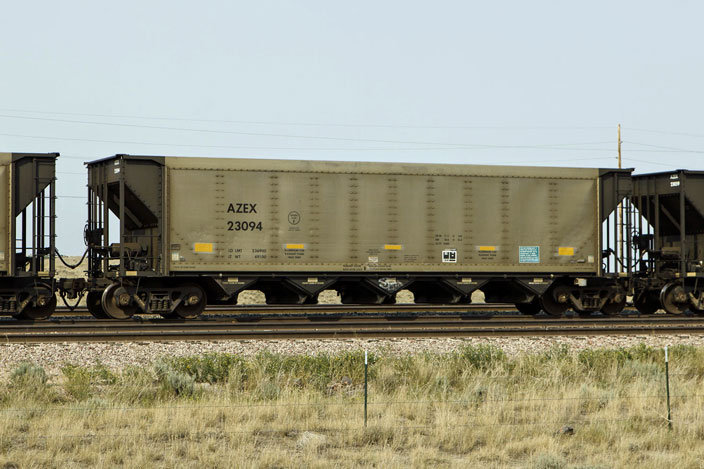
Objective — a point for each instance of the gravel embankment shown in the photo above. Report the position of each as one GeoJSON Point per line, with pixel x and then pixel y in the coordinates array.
{"type": "Point", "coordinates": [118, 355]}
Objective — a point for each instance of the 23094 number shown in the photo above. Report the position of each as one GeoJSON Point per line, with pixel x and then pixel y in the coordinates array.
{"type": "Point", "coordinates": [244, 226]}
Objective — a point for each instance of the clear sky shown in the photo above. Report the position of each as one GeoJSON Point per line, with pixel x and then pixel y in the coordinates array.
{"type": "Point", "coordinates": [529, 83]}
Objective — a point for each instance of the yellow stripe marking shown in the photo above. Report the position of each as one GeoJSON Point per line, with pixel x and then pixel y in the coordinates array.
{"type": "Point", "coordinates": [565, 251]}
{"type": "Point", "coordinates": [393, 247]}
{"type": "Point", "coordinates": [203, 247]}
{"type": "Point", "coordinates": [487, 248]}
{"type": "Point", "coordinates": [295, 246]}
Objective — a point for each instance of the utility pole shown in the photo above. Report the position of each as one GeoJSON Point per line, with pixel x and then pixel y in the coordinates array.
{"type": "Point", "coordinates": [619, 213]}
{"type": "Point", "coordinates": [619, 146]}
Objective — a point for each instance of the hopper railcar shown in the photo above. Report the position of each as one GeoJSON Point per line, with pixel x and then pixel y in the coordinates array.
{"type": "Point", "coordinates": [27, 244]}
{"type": "Point", "coordinates": [669, 242]}
{"type": "Point", "coordinates": [197, 231]}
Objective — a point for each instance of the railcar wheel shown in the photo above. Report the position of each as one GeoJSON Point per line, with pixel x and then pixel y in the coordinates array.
{"type": "Point", "coordinates": [116, 302]}
{"type": "Point", "coordinates": [193, 301]}
{"type": "Point", "coordinates": [673, 299]}
{"type": "Point", "coordinates": [699, 311]}
{"type": "Point", "coordinates": [44, 307]}
{"type": "Point", "coordinates": [614, 309]}
{"type": "Point", "coordinates": [646, 304]}
{"type": "Point", "coordinates": [95, 307]}
{"type": "Point", "coordinates": [550, 305]}
{"type": "Point", "coordinates": [529, 309]}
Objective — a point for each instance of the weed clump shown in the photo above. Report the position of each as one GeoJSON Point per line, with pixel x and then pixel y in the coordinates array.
{"type": "Point", "coordinates": [180, 384]}
{"type": "Point", "coordinates": [29, 382]}
{"type": "Point", "coordinates": [79, 381]}
{"type": "Point", "coordinates": [28, 374]}
{"type": "Point", "coordinates": [601, 359]}
{"type": "Point", "coordinates": [316, 371]}
{"type": "Point", "coordinates": [173, 382]}
{"type": "Point", "coordinates": [135, 385]}
{"type": "Point", "coordinates": [548, 461]}
{"type": "Point", "coordinates": [268, 390]}
{"type": "Point", "coordinates": [207, 368]}
{"type": "Point", "coordinates": [481, 357]}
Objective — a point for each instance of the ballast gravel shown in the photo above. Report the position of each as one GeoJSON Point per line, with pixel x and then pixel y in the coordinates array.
{"type": "Point", "coordinates": [117, 355]}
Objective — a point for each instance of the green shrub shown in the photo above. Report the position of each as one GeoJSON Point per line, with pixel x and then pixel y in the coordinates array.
{"type": "Point", "coordinates": [208, 368]}
{"type": "Point", "coordinates": [683, 352]}
{"type": "Point", "coordinates": [28, 374]}
{"type": "Point", "coordinates": [174, 382]}
{"type": "Point", "coordinates": [268, 390]}
{"type": "Point", "coordinates": [634, 369]}
{"type": "Point", "coordinates": [79, 380]}
{"type": "Point", "coordinates": [556, 353]}
{"type": "Point", "coordinates": [316, 371]}
{"type": "Point", "coordinates": [179, 384]}
{"type": "Point", "coordinates": [101, 374]}
{"type": "Point", "coordinates": [481, 357]}
{"type": "Point", "coordinates": [601, 359]}
{"type": "Point", "coordinates": [162, 368]}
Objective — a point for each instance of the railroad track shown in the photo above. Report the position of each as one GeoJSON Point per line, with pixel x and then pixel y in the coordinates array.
{"type": "Point", "coordinates": [421, 326]}
{"type": "Point", "coordinates": [331, 309]}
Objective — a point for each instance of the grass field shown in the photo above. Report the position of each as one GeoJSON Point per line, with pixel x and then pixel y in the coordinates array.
{"type": "Point", "coordinates": [472, 408]}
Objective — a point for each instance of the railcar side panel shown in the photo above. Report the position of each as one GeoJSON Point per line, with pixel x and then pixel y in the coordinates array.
{"type": "Point", "coordinates": [263, 215]}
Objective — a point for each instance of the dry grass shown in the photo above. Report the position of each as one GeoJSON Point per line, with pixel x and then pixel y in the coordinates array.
{"type": "Point", "coordinates": [472, 408]}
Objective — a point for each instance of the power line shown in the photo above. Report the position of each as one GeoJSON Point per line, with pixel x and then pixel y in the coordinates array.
{"type": "Point", "coordinates": [230, 132]}
{"type": "Point", "coordinates": [666, 132]}
{"type": "Point", "coordinates": [555, 146]}
{"type": "Point", "coordinates": [316, 124]}
{"type": "Point", "coordinates": [561, 160]}
{"type": "Point", "coordinates": [342, 125]}
{"type": "Point", "coordinates": [669, 149]}
{"type": "Point", "coordinates": [455, 147]}
{"type": "Point", "coordinates": [648, 161]}
{"type": "Point", "coordinates": [268, 134]}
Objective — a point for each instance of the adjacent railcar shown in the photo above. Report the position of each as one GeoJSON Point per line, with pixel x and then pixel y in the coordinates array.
{"type": "Point", "coordinates": [192, 231]}
{"type": "Point", "coordinates": [27, 216]}
{"type": "Point", "coordinates": [669, 271]}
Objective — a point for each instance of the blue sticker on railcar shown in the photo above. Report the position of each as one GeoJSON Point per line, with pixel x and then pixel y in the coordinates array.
{"type": "Point", "coordinates": [529, 254]}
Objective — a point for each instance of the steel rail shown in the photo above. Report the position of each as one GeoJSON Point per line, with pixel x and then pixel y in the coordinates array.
{"type": "Point", "coordinates": [328, 308]}
{"type": "Point", "coordinates": [297, 328]}
{"type": "Point", "coordinates": [323, 321]}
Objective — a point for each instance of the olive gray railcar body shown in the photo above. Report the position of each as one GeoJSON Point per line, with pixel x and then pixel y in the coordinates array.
{"type": "Point", "coordinates": [669, 271]}
{"type": "Point", "coordinates": [27, 217]}
{"type": "Point", "coordinates": [192, 229]}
